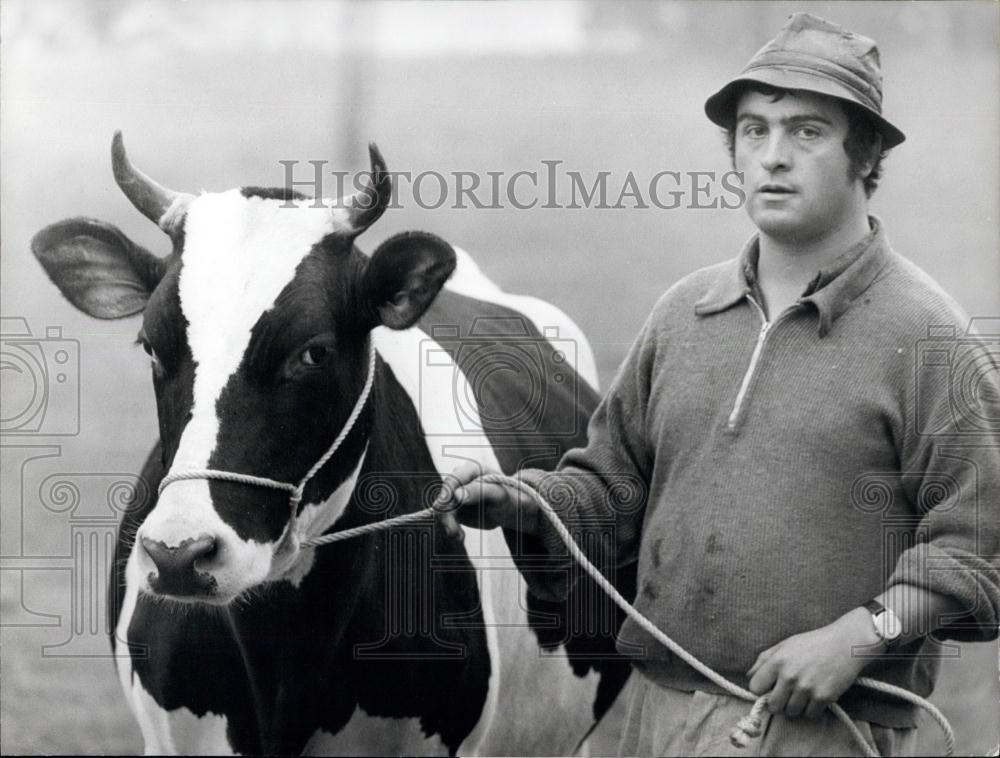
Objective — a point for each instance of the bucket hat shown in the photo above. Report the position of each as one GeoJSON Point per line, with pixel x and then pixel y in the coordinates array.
{"type": "Point", "coordinates": [816, 55]}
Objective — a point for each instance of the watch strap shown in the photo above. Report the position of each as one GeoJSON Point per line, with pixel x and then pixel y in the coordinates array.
{"type": "Point", "coordinates": [874, 607]}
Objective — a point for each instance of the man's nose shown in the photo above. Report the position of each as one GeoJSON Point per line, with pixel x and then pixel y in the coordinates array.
{"type": "Point", "coordinates": [776, 155]}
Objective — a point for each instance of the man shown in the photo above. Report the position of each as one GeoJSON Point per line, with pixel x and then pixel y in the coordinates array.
{"type": "Point", "coordinates": [770, 422]}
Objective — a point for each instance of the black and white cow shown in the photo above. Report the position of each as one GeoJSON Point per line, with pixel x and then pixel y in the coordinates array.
{"type": "Point", "coordinates": [258, 325]}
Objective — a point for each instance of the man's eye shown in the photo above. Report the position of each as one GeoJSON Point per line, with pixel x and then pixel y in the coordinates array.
{"type": "Point", "coordinates": [314, 355]}
{"type": "Point", "coordinates": [753, 132]}
{"type": "Point", "coordinates": [809, 132]}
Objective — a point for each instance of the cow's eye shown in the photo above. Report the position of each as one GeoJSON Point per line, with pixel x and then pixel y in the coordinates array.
{"type": "Point", "coordinates": [314, 355]}
{"type": "Point", "coordinates": [144, 342]}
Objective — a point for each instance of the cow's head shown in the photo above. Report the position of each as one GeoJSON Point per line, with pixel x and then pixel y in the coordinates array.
{"type": "Point", "coordinates": [257, 325]}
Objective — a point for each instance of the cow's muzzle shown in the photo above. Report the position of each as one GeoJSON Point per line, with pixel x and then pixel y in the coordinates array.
{"type": "Point", "coordinates": [180, 571]}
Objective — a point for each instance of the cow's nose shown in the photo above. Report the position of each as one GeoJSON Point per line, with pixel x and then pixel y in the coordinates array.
{"type": "Point", "coordinates": [176, 573]}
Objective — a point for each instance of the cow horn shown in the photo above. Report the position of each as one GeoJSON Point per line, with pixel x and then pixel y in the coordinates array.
{"type": "Point", "coordinates": [365, 206]}
{"type": "Point", "coordinates": [160, 205]}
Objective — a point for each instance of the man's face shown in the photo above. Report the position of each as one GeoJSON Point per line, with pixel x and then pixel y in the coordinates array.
{"type": "Point", "coordinates": [797, 174]}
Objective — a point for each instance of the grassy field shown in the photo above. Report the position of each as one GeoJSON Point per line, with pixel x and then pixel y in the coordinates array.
{"type": "Point", "coordinates": [210, 117]}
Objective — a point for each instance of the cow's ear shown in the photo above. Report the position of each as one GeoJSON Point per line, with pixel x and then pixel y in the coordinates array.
{"type": "Point", "coordinates": [99, 270]}
{"type": "Point", "coordinates": [404, 276]}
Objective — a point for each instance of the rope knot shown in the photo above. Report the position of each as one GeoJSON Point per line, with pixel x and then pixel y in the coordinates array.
{"type": "Point", "coordinates": [747, 729]}
{"type": "Point", "coordinates": [750, 726]}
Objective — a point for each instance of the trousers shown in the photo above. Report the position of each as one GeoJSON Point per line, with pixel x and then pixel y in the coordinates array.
{"type": "Point", "coordinates": [660, 721]}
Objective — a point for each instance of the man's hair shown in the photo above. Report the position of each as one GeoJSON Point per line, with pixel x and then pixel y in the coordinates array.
{"type": "Point", "coordinates": [863, 143]}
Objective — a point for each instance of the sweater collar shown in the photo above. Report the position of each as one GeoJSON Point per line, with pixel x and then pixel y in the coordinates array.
{"type": "Point", "coordinates": [831, 292]}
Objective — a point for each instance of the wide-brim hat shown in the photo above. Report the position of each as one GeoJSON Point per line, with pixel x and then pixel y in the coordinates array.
{"type": "Point", "coordinates": [815, 55]}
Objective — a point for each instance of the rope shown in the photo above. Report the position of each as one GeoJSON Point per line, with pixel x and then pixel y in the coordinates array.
{"type": "Point", "coordinates": [359, 531]}
{"type": "Point", "coordinates": [932, 710]}
{"type": "Point", "coordinates": [751, 725]}
{"type": "Point", "coordinates": [295, 490]}
{"type": "Point", "coordinates": [348, 425]}
{"type": "Point", "coordinates": [227, 476]}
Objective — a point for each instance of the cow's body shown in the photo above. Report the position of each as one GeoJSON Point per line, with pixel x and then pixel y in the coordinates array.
{"type": "Point", "coordinates": [402, 641]}
{"type": "Point", "coordinates": [482, 693]}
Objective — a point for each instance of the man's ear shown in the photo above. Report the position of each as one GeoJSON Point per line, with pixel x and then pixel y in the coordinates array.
{"type": "Point", "coordinates": [404, 276]}
{"type": "Point", "coordinates": [864, 168]}
{"type": "Point", "coordinates": [99, 270]}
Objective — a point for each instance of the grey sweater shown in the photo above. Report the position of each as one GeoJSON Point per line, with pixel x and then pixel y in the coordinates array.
{"type": "Point", "coordinates": [769, 480]}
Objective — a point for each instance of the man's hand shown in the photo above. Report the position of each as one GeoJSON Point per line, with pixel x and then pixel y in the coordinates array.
{"type": "Point", "coordinates": [807, 672]}
{"type": "Point", "coordinates": [465, 499]}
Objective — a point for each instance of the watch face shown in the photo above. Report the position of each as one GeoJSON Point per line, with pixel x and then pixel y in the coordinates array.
{"type": "Point", "coordinates": [888, 625]}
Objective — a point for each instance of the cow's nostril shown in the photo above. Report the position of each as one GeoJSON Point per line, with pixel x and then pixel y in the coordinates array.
{"type": "Point", "coordinates": [177, 567]}
{"type": "Point", "coordinates": [205, 549]}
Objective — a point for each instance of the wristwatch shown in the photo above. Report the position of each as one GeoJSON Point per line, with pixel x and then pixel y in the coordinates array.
{"type": "Point", "coordinates": [887, 624]}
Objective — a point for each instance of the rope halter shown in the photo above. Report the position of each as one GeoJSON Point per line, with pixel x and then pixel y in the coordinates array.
{"type": "Point", "coordinates": [295, 490]}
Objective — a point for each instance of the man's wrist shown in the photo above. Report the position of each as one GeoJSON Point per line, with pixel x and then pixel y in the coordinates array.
{"type": "Point", "coordinates": [919, 610]}
{"type": "Point", "coordinates": [861, 632]}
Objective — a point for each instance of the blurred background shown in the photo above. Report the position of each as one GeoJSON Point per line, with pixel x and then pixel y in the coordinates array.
{"type": "Point", "coordinates": [213, 94]}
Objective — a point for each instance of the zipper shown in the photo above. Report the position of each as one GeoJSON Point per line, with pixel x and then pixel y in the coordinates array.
{"type": "Point", "coordinates": [765, 327]}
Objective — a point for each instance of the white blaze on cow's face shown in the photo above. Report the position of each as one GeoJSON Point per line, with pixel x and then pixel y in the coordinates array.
{"type": "Point", "coordinates": [239, 254]}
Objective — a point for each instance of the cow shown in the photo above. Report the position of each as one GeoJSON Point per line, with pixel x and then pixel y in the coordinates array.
{"type": "Point", "coordinates": [264, 327]}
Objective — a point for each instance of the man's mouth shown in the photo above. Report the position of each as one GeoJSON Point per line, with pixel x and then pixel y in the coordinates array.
{"type": "Point", "coordinates": [775, 189]}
